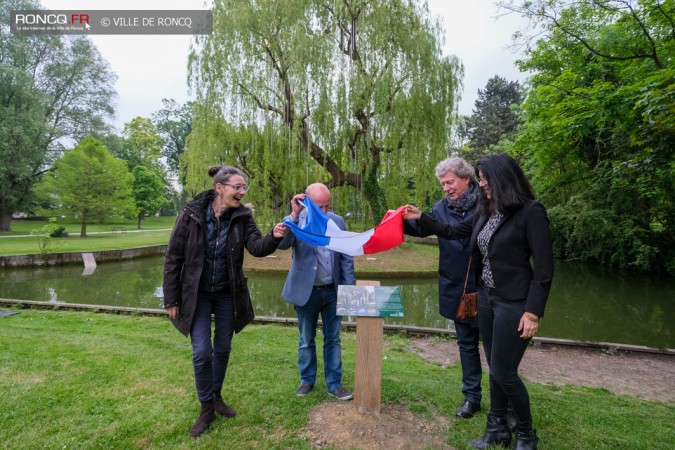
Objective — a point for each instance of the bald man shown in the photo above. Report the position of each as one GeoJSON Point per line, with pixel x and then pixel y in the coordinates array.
{"type": "Point", "coordinates": [311, 286]}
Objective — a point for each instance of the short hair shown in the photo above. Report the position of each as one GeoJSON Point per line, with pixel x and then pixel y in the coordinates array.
{"type": "Point", "coordinates": [222, 174]}
{"type": "Point", "coordinates": [509, 188]}
{"type": "Point", "coordinates": [456, 165]}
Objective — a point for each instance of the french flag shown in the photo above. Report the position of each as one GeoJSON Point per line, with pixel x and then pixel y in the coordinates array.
{"type": "Point", "coordinates": [320, 230]}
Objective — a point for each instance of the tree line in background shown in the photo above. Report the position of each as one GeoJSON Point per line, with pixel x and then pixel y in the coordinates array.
{"type": "Point", "coordinates": [358, 95]}
{"type": "Point", "coordinates": [109, 175]}
{"type": "Point", "coordinates": [56, 90]}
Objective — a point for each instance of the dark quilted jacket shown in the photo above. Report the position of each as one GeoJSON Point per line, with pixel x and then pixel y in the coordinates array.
{"type": "Point", "coordinates": [214, 274]}
{"type": "Point", "coordinates": [184, 260]}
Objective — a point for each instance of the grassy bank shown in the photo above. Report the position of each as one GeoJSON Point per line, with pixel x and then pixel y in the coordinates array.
{"type": "Point", "coordinates": [84, 380]}
{"type": "Point", "coordinates": [154, 231]}
{"type": "Point", "coordinates": [405, 259]}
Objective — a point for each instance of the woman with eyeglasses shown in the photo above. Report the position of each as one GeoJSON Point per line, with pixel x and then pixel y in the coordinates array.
{"type": "Point", "coordinates": [203, 275]}
{"type": "Point", "coordinates": [508, 230]}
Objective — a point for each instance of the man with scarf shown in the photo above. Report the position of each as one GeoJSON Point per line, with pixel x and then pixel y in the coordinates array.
{"type": "Point", "coordinates": [461, 193]}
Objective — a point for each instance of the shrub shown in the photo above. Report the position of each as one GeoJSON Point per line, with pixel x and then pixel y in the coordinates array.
{"type": "Point", "coordinates": [59, 232]}
{"type": "Point", "coordinates": [585, 233]}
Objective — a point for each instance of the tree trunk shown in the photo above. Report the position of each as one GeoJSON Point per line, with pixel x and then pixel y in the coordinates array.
{"type": "Point", "coordinates": [374, 195]}
{"type": "Point", "coordinates": [83, 229]}
{"type": "Point", "coordinates": [140, 215]}
{"type": "Point", "coordinates": [5, 221]}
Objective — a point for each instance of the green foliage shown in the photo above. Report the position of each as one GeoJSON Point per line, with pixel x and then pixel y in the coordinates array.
{"type": "Point", "coordinates": [495, 117]}
{"type": "Point", "coordinates": [587, 233]}
{"type": "Point", "coordinates": [142, 144]}
{"type": "Point", "coordinates": [148, 192]}
{"type": "Point", "coordinates": [51, 87]}
{"type": "Point", "coordinates": [44, 237]}
{"type": "Point", "coordinates": [599, 123]}
{"type": "Point", "coordinates": [59, 232]}
{"type": "Point", "coordinates": [87, 183]}
{"type": "Point", "coordinates": [174, 124]}
{"type": "Point", "coordinates": [353, 94]}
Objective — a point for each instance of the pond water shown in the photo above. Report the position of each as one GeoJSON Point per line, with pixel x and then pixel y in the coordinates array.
{"type": "Point", "coordinates": [586, 303]}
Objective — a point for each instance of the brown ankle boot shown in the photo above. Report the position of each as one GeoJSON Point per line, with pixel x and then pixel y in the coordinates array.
{"type": "Point", "coordinates": [206, 416]}
{"type": "Point", "coordinates": [223, 409]}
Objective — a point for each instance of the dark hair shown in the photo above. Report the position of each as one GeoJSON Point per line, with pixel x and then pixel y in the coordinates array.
{"type": "Point", "coordinates": [221, 174]}
{"type": "Point", "coordinates": [509, 188]}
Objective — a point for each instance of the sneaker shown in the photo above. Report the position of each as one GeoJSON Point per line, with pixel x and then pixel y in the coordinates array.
{"type": "Point", "coordinates": [304, 389]}
{"type": "Point", "coordinates": [341, 394]}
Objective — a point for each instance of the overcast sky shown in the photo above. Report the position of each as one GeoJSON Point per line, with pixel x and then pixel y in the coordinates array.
{"type": "Point", "coordinates": [150, 68]}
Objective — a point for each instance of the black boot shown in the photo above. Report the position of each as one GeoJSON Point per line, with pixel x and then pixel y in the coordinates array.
{"type": "Point", "coordinates": [496, 432]}
{"type": "Point", "coordinates": [526, 441]}
{"type": "Point", "coordinates": [223, 409]}
{"type": "Point", "coordinates": [207, 415]}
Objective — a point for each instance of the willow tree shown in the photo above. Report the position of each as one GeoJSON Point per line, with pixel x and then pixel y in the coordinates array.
{"type": "Point", "coordinates": [352, 93]}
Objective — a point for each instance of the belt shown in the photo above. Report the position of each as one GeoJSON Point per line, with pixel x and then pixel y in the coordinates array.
{"type": "Point", "coordinates": [325, 286]}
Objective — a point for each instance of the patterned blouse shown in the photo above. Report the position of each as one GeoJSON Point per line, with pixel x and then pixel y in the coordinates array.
{"type": "Point", "coordinates": [483, 239]}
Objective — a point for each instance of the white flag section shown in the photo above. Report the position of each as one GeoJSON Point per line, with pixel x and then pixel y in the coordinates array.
{"type": "Point", "coordinates": [320, 230]}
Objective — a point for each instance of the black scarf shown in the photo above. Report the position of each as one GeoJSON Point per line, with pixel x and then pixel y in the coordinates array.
{"type": "Point", "coordinates": [467, 201]}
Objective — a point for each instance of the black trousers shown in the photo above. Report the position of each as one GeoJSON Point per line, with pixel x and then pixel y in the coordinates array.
{"type": "Point", "coordinates": [498, 321]}
{"type": "Point", "coordinates": [467, 340]}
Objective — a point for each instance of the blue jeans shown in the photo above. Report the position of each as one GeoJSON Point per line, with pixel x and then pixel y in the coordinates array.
{"type": "Point", "coordinates": [210, 360]}
{"type": "Point", "coordinates": [469, 355]}
{"type": "Point", "coordinates": [321, 301]}
{"type": "Point", "coordinates": [498, 320]}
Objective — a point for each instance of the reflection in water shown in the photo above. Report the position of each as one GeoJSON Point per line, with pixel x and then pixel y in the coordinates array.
{"type": "Point", "coordinates": [586, 303]}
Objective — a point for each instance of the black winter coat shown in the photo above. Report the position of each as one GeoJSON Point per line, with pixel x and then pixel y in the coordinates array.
{"type": "Point", "coordinates": [453, 258]}
{"type": "Point", "coordinates": [184, 260]}
{"type": "Point", "coordinates": [521, 236]}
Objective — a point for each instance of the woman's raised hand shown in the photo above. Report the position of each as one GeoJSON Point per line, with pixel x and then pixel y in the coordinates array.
{"type": "Point", "coordinates": [411, 212]}
{"type": "Point", "coordinates": [280, 230]}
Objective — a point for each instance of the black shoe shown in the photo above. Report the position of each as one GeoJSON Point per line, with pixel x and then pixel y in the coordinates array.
{"type": "Point", "coordinates": [467, 410]}
{"type": "Point", "coordinates": [304, 389]}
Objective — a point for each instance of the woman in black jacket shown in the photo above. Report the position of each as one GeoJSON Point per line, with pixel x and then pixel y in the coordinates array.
{"type": "Point", "coordinates": [508, 229]}
{"type": "Point", "coordinates": [203, 275]}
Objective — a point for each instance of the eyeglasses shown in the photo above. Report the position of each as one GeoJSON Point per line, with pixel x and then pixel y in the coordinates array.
{"type": "Point", "coordinates": [237, 187]}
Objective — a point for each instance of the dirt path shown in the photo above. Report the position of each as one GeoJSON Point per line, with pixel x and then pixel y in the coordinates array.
{"type": "Point", "coordinates": [647, 376]}
{"type": "Point", "coordinates": [644, 375]}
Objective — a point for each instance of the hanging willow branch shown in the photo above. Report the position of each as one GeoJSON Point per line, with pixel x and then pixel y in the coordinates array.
{"type": "Point", "coordinates": [367, 75]}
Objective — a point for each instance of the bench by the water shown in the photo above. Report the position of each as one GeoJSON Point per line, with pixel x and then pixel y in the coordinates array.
{"type": "Point", "coordinates": [121, 229]}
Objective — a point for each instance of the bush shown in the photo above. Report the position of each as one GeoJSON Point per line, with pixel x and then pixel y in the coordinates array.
{"type": "Point", "coordinates": [59, 232]}
{"type": "Point", "coordinates": [585, 233]}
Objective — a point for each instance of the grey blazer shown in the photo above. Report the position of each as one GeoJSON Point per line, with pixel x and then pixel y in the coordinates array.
{"type": "Point", "coordinates": [300, 279]}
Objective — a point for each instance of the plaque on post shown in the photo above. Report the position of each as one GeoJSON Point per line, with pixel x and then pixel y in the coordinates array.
{"type": "Point", "coordinates": [370, 303]}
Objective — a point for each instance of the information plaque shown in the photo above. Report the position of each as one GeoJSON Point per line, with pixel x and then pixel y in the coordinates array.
{"type": "Point", "coordinates": [369, 301]}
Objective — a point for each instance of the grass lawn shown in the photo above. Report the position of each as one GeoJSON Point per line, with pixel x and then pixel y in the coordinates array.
{"type": "Point", "coordinates": [154, 231]}
{"type": "Point", "coordinates": [87, 380]}
{"type": "Point", "coordinates": [407, 258]}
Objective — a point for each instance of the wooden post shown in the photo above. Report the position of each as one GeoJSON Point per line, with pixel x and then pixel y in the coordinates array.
{"type": "Point", "coordinates": [368, 373]}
